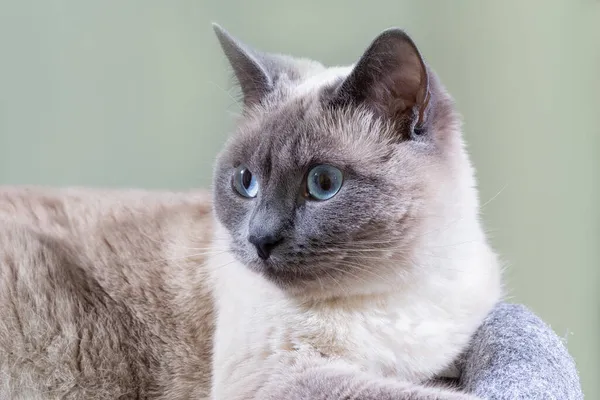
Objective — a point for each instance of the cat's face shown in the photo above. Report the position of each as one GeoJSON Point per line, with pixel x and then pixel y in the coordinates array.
{"type": "Point", "coordinates": [331, 172]}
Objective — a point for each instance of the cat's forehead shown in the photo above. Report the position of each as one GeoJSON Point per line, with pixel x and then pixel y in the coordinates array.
{"type": "Point", "coordinates": [302, 130]}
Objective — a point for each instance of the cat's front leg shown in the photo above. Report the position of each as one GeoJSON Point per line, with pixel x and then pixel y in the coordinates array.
{"type": "Point", "coordinates": [322, 379]}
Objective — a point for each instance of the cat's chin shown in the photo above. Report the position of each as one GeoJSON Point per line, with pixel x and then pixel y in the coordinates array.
{"type": "Point", "coordinates": [284, 276]}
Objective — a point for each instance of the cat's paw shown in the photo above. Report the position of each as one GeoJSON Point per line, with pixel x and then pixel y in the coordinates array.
{"type": "Point", "coordinates": [428, 394]}
{"type": "Point", "coordinates": [454, 396]}
{"type": "Point", "coordinates": [322, 379]}
{"type": "Point", "coordinates": [406, 391]}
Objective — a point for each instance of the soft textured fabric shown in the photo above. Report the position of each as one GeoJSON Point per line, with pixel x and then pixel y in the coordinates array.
{"type": "Point", "coordinates": [515, 355]}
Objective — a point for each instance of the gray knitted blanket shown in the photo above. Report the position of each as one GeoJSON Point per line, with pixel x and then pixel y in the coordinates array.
{"type": "Point", "coordinates": [515, 355]}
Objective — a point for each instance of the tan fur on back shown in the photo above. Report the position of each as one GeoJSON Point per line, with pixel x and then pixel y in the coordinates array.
{"type": "Point", "coordinates": [103, 294]}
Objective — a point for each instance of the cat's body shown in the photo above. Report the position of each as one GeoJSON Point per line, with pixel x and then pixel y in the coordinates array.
{"type": "Point", "coordinates": [360, 292]}
{"type": "Point", "coordinates": [104, 294]}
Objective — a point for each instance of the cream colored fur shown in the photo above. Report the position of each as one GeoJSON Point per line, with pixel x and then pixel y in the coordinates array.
{"type": "Point", "coordinates": [104, 295]}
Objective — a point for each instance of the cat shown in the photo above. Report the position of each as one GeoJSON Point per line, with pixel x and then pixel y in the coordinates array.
{"type": "Point", "coordinates": [339, 255]}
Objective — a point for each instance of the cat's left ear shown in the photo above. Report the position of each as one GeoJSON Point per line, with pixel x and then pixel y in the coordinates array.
{"type": "Point", "coordinates": [391, 78]}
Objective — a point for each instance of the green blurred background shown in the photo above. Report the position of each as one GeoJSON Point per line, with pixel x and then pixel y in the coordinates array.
{"type": "Point", "coordinates": [136, 94]}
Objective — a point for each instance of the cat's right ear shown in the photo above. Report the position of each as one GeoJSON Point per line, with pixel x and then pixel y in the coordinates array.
{"type": "Point", "coordinates": [249, 66]}
{"type": "Point", "coordinates": [390, 78]}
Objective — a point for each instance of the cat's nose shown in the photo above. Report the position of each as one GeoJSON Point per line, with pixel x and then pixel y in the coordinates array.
{"type": "Point", "coordinates": [265, 244]}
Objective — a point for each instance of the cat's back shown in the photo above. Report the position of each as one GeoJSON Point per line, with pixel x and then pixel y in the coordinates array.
{"type": "Point", "coordinates": [91, 302]}
{"type": "Point", "coordinates": [83, 208]}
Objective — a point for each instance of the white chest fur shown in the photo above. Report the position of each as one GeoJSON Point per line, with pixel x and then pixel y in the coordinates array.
{"type": "Point", "coordinates": [411, 334]}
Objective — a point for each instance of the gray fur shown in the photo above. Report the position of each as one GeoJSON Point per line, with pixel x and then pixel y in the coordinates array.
{"type": "Point", "coordinates": [516, 356]}
{"type": "Point", "coordinates": [259, 73]}
{"type": "Point", "coordinates": [370, 136]}
{"type": "Point", "coordinates": [249, 69]}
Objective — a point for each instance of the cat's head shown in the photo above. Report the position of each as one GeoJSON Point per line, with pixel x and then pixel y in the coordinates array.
{"type": "Point", "coordinates": [334, 175]}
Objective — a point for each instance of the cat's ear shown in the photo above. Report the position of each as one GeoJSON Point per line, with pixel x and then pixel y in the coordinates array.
{"type": "Point", "coordinates": [251, 67]}
{"type": "Point", "coordinates": [391, 78]}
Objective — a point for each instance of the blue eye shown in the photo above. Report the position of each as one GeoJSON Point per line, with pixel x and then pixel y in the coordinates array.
{"type": "Point", "coordinates": [323, 182]}
{"type": "Point", "coordinates": [244, 182]}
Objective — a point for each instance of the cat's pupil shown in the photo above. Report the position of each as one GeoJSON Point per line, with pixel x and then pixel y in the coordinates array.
{"type": "Point", "coordinates": [246, 178]}
{"type": "Point", "coordinates": [325, 182]}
